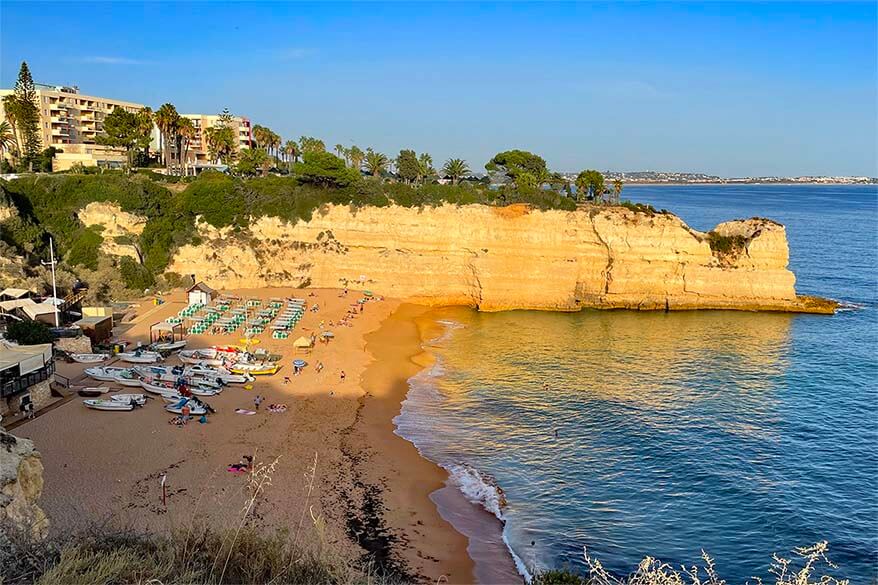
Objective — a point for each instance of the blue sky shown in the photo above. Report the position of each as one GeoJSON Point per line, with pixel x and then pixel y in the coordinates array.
{"type": "Point", "coordinates": [732, 89]}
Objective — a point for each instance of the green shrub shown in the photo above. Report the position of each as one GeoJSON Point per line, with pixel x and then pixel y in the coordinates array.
{"type": "Point", "coordinates": [28, 333]}
{"type": "Point", "coordinates": [135, 276]}
{"type": "Point", "coordinates": [84, 248]}
{"type": "Point", "coordinates": [726, 245]}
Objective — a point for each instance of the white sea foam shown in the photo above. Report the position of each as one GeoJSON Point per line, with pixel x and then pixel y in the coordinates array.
{"type": "Point", "coordinates": [478, 488]}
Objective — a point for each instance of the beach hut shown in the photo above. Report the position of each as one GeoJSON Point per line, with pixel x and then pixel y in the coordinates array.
{"type": "Point", "coordinates": [201, 294]}
{"type": "Point", "coordinates": [98, 329]}
{"type": "Point", "coordinates": [303, 344]}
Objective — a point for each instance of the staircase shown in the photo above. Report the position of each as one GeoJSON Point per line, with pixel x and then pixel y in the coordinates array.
{"type": "Point", "coordinates": [71, 299]}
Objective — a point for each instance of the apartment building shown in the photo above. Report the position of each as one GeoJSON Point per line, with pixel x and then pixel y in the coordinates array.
{"type": "Point", "coordinates": [198, 152]}
{"type": "Point", "coordinates": [72, 121]}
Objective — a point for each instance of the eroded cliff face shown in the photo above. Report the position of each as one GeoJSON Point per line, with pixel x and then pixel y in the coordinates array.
{"type": "Point", "coordinates": [506, 258]}
{"type": "Point", "coordinates": [120, 229]}
{"type": "Point", "coordinates": [21, 483]}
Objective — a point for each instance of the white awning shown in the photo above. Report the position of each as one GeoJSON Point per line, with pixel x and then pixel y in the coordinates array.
{"type": "Point", "coordinates": [27, 357]}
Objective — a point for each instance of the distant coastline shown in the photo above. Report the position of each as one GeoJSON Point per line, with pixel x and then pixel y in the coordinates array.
{"type": "Point", "coordinates": [630, 183]}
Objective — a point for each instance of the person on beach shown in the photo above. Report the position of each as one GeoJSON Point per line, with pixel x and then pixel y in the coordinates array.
{"type": "Point", "coordinates": [185, 411]}
{"type": "Point", "coordinates": [286, 379]}
{"type": "Point", "coordinates": [257, 401]}
{"type": "Point", "coordinates": [342, 375]}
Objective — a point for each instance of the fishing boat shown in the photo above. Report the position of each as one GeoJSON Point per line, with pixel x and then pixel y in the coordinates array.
{"type": "Point", "coordinates": [254, 369]}
{"type": "Point", "coordinates": [138, 399]}
{"type": "Point", "coordinates": [157, 386]}
{"type": "Point", "coordinates": [194, 409]}
{"type": "Point", "coordinates": [98, 404]}
{"type": "Point", "coordinates": [172, 398]}
{"type": "Point", "coordinates": [93, 392]}
{"type": "Point", "coordinates": [104, 373]}
{"type": "Point", "coordinates": [218, 373]}
{"type": "Point", "coordinates": [89, 358]}
{"type": "Point", "coordinates": [139, 357]}
{"type": "Point", "coordinates": [169, 346]}
{"type": "Point", "coordinates": [128, 378]}
{"type": "Point", "coordinates": [205, 357]}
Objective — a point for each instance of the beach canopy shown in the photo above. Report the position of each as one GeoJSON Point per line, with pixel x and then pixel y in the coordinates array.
{"type": "Point", "coordinates": [163, 326]}
{"type": "Point", "coordinates": [300, 363]}
{"type": "Point", "coordinates": [303, 342]}
{"type": "Point", "coordinates": [327, 334]}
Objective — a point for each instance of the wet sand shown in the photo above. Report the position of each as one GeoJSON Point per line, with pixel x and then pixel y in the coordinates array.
{"type": "Point", "coordinates": [335, 456]}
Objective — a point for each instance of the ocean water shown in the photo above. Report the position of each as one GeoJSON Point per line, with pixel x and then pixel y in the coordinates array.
{"type": "Point", "coordinates": [663, 434]}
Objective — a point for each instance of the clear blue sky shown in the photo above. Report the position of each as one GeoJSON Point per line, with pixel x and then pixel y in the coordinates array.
{"type": "Point", "coordinates": [733, 89]}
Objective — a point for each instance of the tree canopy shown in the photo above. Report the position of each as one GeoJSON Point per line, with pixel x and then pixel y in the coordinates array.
{"type": "Point", "coordinates": [125, 130]}
{"type": "Point", "coordinates": [324, 169]}
{"type": "Point", "coordinates": [590, 184]}
{"type": "Point", "coordinates": [28, 332]}
{"type": "Point", "coordinates": [407, 165]}
{"type": "Point", "coordinates": [514, 162]}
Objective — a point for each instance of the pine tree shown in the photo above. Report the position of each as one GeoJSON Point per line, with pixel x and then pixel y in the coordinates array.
{"type": "Point", "coordinates": [28, 115]}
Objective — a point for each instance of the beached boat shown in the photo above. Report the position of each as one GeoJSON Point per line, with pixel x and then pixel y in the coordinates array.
{"type": "Point", "coordinates": [128, 378]}
{"type": "Point", "coordinates": [93, 392]}
{"type": "Point", "coordinates": [89, 358]}
{"type": "Point", "coordinates": [218, 373]}
{"type": "Point", "coordinates": [138, 399]}
{"type": "Point", "coordinates": [205, 357]}
{"type": "Point", "coordinates": [166, 387]}
{"type": "Point", "coordinates": [167, 374]}
{"type": "Point", "coordinates": [107, 405]}
{"type": "Point", "coordinates": [169, 346]}
{"type": "Point", "coordinates": [139, 357]}
{"type": "Point", "coordinates": [104, 373]}
{"type": "Point", "coordinates": [172, 398]}
{"type": "Point", "coordinates": [254, 369]}
{"type": "Point", "coordinates": [194, 409]}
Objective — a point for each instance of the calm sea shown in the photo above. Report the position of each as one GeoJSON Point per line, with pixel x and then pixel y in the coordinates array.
{"type": "Point", "coordinates": [663, 434]}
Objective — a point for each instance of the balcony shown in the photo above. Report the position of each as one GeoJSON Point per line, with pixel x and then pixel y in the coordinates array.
{"type": "Point", "coordinates": [59, 120]}
{"type": "Point", "coordinates": [60, 132]}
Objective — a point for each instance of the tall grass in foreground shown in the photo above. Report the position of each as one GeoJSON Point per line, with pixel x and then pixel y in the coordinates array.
{"type": "Point", "coordinates": [807, 567]}
{"type": "Point", "coordinates": [196, 553]}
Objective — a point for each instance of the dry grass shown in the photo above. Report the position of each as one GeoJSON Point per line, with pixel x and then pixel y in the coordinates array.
{"type": "Point", "coordinates": [807, 566]}
{"type": "Point", "coordinates": [197, 553]}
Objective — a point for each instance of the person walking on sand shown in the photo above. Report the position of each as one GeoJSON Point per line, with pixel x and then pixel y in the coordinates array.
{"type": "Point", "coordinates": [185, 411]}
{"type": "Point", "coordinates": [342, 375]}
{"type": "Point", "coordinates": [257, 401]}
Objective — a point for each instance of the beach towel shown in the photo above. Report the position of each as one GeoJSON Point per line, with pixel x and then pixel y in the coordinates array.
{"type": "Point", "coordinates": [244, 411]}
{"type": "Point", "coordinates": [277, 408]}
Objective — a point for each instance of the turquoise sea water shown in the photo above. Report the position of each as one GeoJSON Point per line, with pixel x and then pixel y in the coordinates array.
{"type": "Point", "coordinates": [633, 433]}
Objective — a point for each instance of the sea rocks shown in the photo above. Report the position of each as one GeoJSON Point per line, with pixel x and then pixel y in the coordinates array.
{"type": "Point", "coordinates": [21, 483]}
{"type": "Point", "coordinates": [498, 258]}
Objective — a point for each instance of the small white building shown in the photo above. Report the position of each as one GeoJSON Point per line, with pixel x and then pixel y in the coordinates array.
{"type": "Point", "coordinates": [201, 294]}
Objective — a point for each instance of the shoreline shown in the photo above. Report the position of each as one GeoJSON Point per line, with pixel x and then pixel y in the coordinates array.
{"type": "Point", "coordinates": [472, 534]}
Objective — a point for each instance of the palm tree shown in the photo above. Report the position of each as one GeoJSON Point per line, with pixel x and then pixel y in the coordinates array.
{"type": "Point", "coordinates": [617, 191]}
{"type": "Point", "coordinates": [186, 132]}
{"type": "Point", "coordinates": [292, 151]}
{"type": "Point", "coordinates": [10, 109]}
{"type": "Point", "coordinates": [455, 169]}
{"type": "Point", "coordinates": [376, 163]}
{"type": "Point", "coordinates": [356, 156]}
{"type": "Point", "coordinates": [7, 138]}
{"type": "Point", "coordinates": [166, 118]}
{"type": "Point", "coordinates": [339, 150]}
{"type": "Point", "coordinates": [425, 167]}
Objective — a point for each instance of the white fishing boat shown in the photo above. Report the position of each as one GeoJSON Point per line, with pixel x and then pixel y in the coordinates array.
{"type": "Point", "coordinates": [104, 373]}
{"type": "Point", "coordinates": [194, 409]}
{"type": "Point", "coordinates": [138, 399]}
{"type": "Point", "coordinates": [99, 404]}
{"type": "Point", "coordinates": [169, 346]}
{"type": "Point", "coordinates": [172, 398]}
{"type": "Point", "coordinates": [205, 357]}
{"type": "Point", "coordinates": [139, 357]}
{"type": "Point", "coordinates": [157, 386]}
{"type": "Point", "coordinates": [128, 378]}
{"type": "Point", "coordinates": [89, 358]}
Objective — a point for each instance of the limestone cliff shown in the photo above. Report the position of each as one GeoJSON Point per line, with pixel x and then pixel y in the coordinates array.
{"type": "Point", "coordinates": [21, 483]}
{"type": "Point", "coordinates": [120, 229]}
{"type": "Point", "coordinates": [497, 258]}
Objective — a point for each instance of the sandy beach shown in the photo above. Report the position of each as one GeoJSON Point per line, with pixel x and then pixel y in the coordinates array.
{"type": "Point", "coordinates": [339, 473]}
